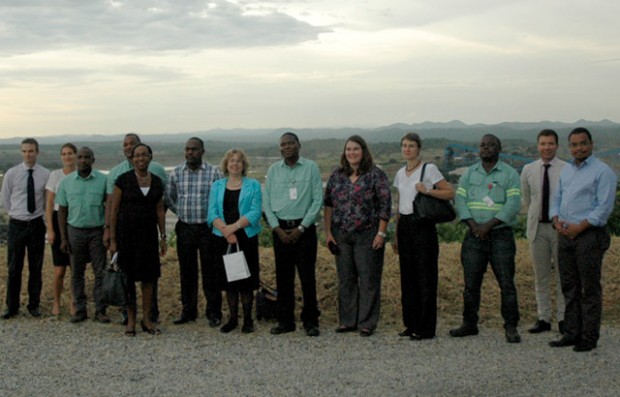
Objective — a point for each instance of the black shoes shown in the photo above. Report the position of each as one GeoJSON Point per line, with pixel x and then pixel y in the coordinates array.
{"type": "Point", "coordinates": [540, 326]}
{"type": "Point", "coordinates": [416, 337]}
{"type": "Point", "coordinates": [584, 346]}
{"type": "Point", "coordinates": [229, 326]}
{"type": "Point", "coordinates": [512, 335]}
{"type": "Point", "coordinates": [183, 319]}
{"type": "Point", "coordinates": [8, 314]}
{"type": "Point", "coordinates": [248, 327]}
{"type": "Point", "coordinates": [561, 327]}
{"type": "Point", "coordinates": [406, 332]}
{"type": "Point", "coordinates": [343, 329]}
{"type": "Point", "coordinates": [78, 317]}
{"type": "Point", "coordinates": [214, 322]}
{"type": "Point", "coordinates": [564, 342]}
{"type": "Point", "coordinates": [35, 312]}
{"type": "Point", "coordinates": [464, 330]}
{"type": "Point", "coordinates": [282, 329]}
{"type": "Point", "coordinates": [312, 330]}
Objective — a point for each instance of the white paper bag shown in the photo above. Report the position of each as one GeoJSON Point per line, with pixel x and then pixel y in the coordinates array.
{"type": "Point", "coordinates": [236, 265]}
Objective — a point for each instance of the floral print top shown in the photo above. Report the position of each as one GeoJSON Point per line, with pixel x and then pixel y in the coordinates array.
{"type": "Point", "coordinates": [359, 205]}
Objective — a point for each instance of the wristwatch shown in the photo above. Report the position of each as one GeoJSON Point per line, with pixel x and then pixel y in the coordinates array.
{"type": "Point", "coordinates": [382, 234]}
{"type": "Point", "coordinates": [301, 228]}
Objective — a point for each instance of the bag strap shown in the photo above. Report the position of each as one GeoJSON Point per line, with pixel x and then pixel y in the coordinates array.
{"type": "Point", "coordinates": [423, 169]}
{"type": "Point", "coordinates": [230, 246]}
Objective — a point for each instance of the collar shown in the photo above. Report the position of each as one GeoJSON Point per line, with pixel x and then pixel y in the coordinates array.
{"type": "Point", "coordinates": [300, 161]}
{"type": "Point", "coordinates": [203, 166]}
{"type": "Point", "coordinates": [499, 166]}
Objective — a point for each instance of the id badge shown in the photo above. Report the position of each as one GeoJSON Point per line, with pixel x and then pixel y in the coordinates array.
{"type": "Point", "coordinates": [292, 193]}
{"type": "Point", "coordinates": [488, 201]}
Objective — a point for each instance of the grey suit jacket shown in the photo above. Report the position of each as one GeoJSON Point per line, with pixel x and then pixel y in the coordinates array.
{"type": "Point", "coordinates": [531, 190]}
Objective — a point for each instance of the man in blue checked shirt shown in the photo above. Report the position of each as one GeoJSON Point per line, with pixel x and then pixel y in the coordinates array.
{"type": "Point", "coordinates": [582, 203]}
{"type": "Point", "coordinates": [487, 201]}
{"type": "Point", "coordinates": [187, 193]}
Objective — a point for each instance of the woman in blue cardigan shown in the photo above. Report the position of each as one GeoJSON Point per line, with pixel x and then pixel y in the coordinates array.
{"type": "Point", "coordinates": [235, 205]}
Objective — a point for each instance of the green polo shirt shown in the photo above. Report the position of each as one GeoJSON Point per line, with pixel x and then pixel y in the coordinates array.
{"type": "Point", "coordinates": [482, 196]}
{"type": "Point", "coordinates": [293, 193]}
{"type": "Point", "coordinates": [84, 198]}
{"type": "Point", "coordinates": [121, 168]}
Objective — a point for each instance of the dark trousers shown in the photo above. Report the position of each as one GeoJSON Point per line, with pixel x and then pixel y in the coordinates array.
{"type": "Point", "coordinates": [301, 255]}
{"type": "Point", "coordinates": [498, 249]}
{"type": "Point", "coordinates": [194, 240]}
{"type": "Point", "coordinates": [359, 278]}
{"type": "Point", "coordinates": [87, 246]}
{"type": "Point", "coordinates": [580, 261]}
{"type": "Point", "coordinates": [418, 251]}
{"type": "Point", "coordinates": [24, 236]}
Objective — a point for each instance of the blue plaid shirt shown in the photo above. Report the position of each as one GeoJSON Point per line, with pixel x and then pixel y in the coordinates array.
{"type": "Point", "coordinates": [187, 191]}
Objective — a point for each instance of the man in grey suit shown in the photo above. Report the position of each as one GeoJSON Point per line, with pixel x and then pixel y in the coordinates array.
{"type": "Point", "coordinates": [538, 183]}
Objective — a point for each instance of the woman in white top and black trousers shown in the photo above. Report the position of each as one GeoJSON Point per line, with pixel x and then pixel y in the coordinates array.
{"type": "Point", "coordinates": [416, 241]}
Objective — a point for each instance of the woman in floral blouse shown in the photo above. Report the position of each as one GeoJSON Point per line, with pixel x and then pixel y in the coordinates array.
{"type": "Point", "coordinates": [357, 211]}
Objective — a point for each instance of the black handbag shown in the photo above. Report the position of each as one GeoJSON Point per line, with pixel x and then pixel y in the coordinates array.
{"type": "Point", "coordinates": [114, 288]}
{"type": "Point", "coordinates": [432, 209]}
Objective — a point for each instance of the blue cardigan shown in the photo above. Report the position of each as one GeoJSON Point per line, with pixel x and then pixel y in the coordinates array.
{"type": "Point", "coordinates": [250, 204]}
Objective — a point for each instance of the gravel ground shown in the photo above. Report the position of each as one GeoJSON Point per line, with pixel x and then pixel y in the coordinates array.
{"type": "Point", "coordinates": [55, 358]}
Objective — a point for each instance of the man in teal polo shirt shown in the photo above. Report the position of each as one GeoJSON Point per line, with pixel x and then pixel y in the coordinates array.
{"type": "Point", "coordinates": [129, 142]}
{"type": "Point", "coordinates": [81, 198]}
{"type": "Point", "coordinates": [488, 200]}
{"type": "Point", "coordinates": [292, 201]}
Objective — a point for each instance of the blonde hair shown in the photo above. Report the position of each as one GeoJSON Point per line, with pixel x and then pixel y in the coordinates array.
{"type": "Point", "coordinates": [242, 157]}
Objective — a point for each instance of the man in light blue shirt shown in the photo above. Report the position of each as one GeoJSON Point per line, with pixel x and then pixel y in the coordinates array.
{"type": "Point", "coordinates": [581, 206]}
{"type": "Point", "coordinates": [292, 201]}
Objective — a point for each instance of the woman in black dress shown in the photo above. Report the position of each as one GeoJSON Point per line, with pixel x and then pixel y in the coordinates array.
{"type": "Point", "coordinates": [235, 205]}
{"type": "Point", "coordinates": [137, 213]}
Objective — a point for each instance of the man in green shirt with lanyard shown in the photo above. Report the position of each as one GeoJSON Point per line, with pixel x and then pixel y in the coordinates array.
{"type": "Point", "coordinates": [81, 198]}
{"type": "Point", "coordinates": [488, 200]}
{"type": "Point", "coordinates": [292, 201]}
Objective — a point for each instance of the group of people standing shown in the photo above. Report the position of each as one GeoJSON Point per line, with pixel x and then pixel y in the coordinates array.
{"type": "Point", "coordinates": [89, 213]}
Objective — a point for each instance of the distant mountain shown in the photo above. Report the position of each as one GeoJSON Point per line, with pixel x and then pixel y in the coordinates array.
{"type": "Point", "coordinates": [452, 130]}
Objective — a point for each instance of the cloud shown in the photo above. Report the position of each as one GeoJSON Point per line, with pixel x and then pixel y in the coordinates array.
{"type": "Point", "coordinates": [117, 26]}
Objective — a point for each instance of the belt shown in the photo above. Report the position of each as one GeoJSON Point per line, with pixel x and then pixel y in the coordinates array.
{"type": "Point", "coordinates": [26, 223]}
{"type": "Point", "coordinates": [289, 223]}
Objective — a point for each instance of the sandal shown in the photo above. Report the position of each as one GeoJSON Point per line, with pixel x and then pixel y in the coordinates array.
{"type": "Point", "coordinates": [130, 332]}
{"type": "Point", "coordinates": [152, 331]}
{"type": "Point", "coordinates": [365, 332]}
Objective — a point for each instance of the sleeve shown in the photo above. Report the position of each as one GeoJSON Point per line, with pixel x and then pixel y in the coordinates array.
{"type": "Point", "coordinates": [214, 207]}
{"type": "Point", "coordinates": [61, 195]}
{"type": "Point", "coordinates": [525, 188]}
{"type": "Point", "coordinates": [254, 214]}
{"type": "Point", "coordinates": [271, 217]}
{"type": "Point", "coordinates": [461, 196]}
{"type": "Point", "coordinates": [110, 180]}
{"type": "Point", "coordinates": [6, 191]}
{"type": "Point", "coordinates": [605, 198]}
{"type": "Point", "coordinates": [171, 192]}
{"type": "Point", "coordinates": [509, 211]}
{"type": "Point", "coordinates": [317, 197]}
{"type": "Point", "coordinates": [433, 175]}
{"type": "Point", "coordinates": [383, 195]}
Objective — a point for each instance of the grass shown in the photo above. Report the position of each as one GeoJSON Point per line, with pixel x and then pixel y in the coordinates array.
{"type": "Point", "coordinates": [449, 295]}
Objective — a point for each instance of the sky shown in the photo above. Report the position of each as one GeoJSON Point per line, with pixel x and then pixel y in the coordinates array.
{"type": "Point", "coordinates": [167, 66]}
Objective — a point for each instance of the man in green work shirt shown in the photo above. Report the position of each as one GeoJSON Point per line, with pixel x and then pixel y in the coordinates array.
{"type": "Point", "coordinates": [488, 200]}
{"type": "Point", "coordinates": [292, 200]}
{"type": "Point", "coordinates": [81, 215]}
{"type": "Point", "coordinates": [129, 142]}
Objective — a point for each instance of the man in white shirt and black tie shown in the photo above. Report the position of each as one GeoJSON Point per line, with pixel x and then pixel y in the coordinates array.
{"type": "Point", "coordinates": [23, 197]}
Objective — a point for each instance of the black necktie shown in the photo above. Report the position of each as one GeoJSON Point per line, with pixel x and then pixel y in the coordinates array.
{"type": "Point", "coordinates": [30, 190]}
{"type": "Point", "coordinates": [545, 192]}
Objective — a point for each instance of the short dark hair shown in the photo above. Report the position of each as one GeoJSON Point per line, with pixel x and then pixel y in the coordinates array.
{"type": "Point", "coordinates": [291, 134]}
{"type": "Point", "coordinates": [413, 137]}
{"type": "Point", "coordinates": [548, 132]}
{"type": "Point", "coordinates": [31, 141]}
{"type": "Point", "coordinates": [133, 135]}
{"type": "Point", "coordinates": [365, 165]}
{"type": "Point", "coordinates": [580, 130]}
{"type": "Point", "coordinates": [143, 145]}
{"type": "Point", "coordinates": [194, 138]}
{"type": "Point", "coordinates": [70, 146]}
